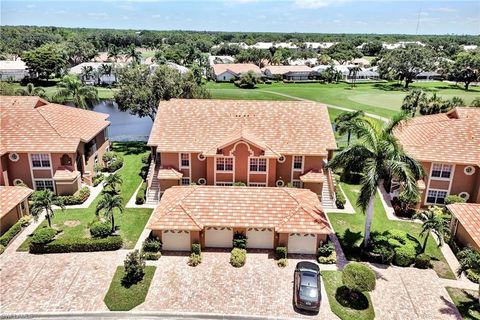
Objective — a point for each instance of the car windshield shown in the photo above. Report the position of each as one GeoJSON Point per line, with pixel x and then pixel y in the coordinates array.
{"type": "Point", "coordinates": [308, 293]}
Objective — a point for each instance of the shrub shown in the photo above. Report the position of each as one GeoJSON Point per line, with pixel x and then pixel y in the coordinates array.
{"type": "Point", "coordinates": [331, 259]}
{"type": "Point", "coordinates": [394, 243]}
{"type": "Point", "coordinates": [100, 229]}
{"type": "Point", "coordinates": [108, 156]}
{"type": "Point", "coordinates": [194, 260]}
{"type": "Point", "coordinates": [239, 240]}
{"type": "Point", "coordinates": [80, 197]}
{"type": "Point", "coordinates": [113, 161]}
{"type": "Point", "coordinates": [146, 158]}
{"type": "Point", "coordinates": [282, 263]}
{"type": "Point", "coordinates": [2, 249]}
{"type": "Point", "coordinates": [25, 221]}
{"type": "Point", "coordinates": [43, 236]}
{"type": "Point", "coordinates": [422, 261]}
{"type": "Point", "coordinates": [151, 255]}
{"type": "Point", "coordinates": [97, 179]}
{"type": "Point", "coordinates": [197, 248]}
{"type": "Point", "coordinates": [453, 198]}
{"type": "Point", "coordinates": [404, 255]}
{"type": "Point", "coordinates": [399, 235]}
{"type": "Point", "coordinates": [281, 253]}
{"type": "Point", "coordinates": [134, 268]}
{"type": "Point", "coordinates": [11, 233]}
{"type": "Point", "coordinates": [472, 275]}
{"type": "Point", "coordinates": [152, 244]}
{"type": "Point", "coordinates": [340, 198]}
{"type": "Point", "coordinates": [78, 245]}
{"type": "Point", "coordinates": [325, 249]}
{"type": "Point", "coordinates": [358, 277]}
{"type": "Point", "coordinates": [140, 197]}
{"type": "Point", "coordinates": [238, 257]}
{"type": "Point", "coordinates": [382, 254]}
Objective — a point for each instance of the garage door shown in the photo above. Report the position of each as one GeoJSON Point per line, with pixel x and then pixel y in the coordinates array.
{"type": "Point", "coordinates": [218, 237]}
{"type": "Point", "coordinates": [176, 240]}
{"type": "Point", "coordinates": [304, 243]}
{"type": "Point", "coordinates": [260, 238]}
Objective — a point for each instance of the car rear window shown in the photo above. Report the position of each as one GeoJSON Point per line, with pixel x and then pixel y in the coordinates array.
{"type": "Point", "coordinates": [308, 293]}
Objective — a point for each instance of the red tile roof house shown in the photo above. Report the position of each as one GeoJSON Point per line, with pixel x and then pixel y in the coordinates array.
{"type": "Point", "coordinates": [226, 72]}
{"type": "Point", "coordinates": [293, 73]}
{"type": "Point", "coordinates": [13, 205]}
{"type": "Point", "coordinates": [448, 146]}
{"type": "Point", "coordinates": [49, 146]}
{"type": "Point", "coordinates": [465, 224]}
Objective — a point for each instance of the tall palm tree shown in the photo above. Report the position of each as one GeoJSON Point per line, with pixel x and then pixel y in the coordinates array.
{"type": "Point", "coordinates": [353, 73]}
{"type": "Point", "coordinates": [31, 90]}
{"type": "Point", "coordinates": [107, 204]}
{"type": "Point", "coordinates": [414, 101]}
{"type": "Point", "coordinates": [377, 156]}
{"type": "Point", "coordinates": [431, 223]}
{"type": "Point", "coordinates": [112, 183]}
{"type": "Point", "coordinates": [114, 52]}
{"type": "Point", "coordinates": [132, 52]}
{"type": "Point", "coordinates": [469, 259]}
{"type": "Point", "coordinates": [71, 88]}
{"type": "Point", "coordinates": [344, 121]}
{"type": "Point", "coordinates": [43, 201]}
{"type": "Point", "coordinates": [86, 73]}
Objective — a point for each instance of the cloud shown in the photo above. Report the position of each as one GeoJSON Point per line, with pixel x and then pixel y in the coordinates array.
{"type": "Point", "coordinates": [443, 9]}
{"type": "Point", "coordinates": [315, 4]}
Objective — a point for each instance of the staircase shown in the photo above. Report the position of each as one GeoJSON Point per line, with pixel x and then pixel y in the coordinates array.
{"type": "Point", "coordinates": [327, 202]}
{"type": "Point", "coordinates": [153, 190]}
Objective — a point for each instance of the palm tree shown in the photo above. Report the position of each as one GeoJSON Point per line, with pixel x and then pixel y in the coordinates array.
{"type": "Point", "coordinates": [431, 223]}
{"type": "Point", "coordinates": [86, 73]}
{"type": "Point", "coordinates": [377, 156]}
{"type": "Point", "coordinates": [106, 69]}
{"type": "Point", "coordinates": [71, 88]}
{"type": "Point", "coordinates": [469, 259]}
{"type": "Point", "coordinates": [344, 120]}
{"type": "Point", "coordinates": [108, 203]}
{"type": "Point", "coordinates": [353, 72]}
{"type": "Point", "coordinates": [112, 183]}
{"type": "Point", "coordinates": [414, 101]}
{"type": "Point", "coordinates": [132, 52]}
{"type": "Point", "coordinates": [114, 52]}
{"type": "Point", "coordinates": [31, 90]}
{"type": "Point", "coordinates": [43, 201]}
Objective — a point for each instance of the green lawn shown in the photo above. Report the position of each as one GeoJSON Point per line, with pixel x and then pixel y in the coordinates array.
{"type": "Point", "coordinates": [121, 298]}
{"type": "Point", "coordinates": [333, 281]}
{"type": "Point", "coordinates": [74, 222]}
{"type": "Point", "coordinates": [376, 98]}
{"type": "Point", "coordinates": [350, 229]}
{"type": "Point", "coordinates": [466, 302]}
{"type": "Point", "coordinates": [103, 93]}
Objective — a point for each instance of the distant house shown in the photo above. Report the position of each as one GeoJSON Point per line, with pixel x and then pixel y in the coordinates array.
{"type": "Point", "coordinates": [465, 224]}
{"type": "Point", "coordinates": [288, 72]}
{"type": "Point", "coordinates": [361, 62]}
{"type": "Point", "coordinates": [14, 205]}
{"type": "Point", "coordinates": [428, 76]}
{"type": "Point", "coordinates": [232, 71]}
{"type": "Point", "coordinates": [103, 57]}
{"type": "Point", "coordinates": [303, 62]}
{"type": "Point", "coordinates": [319, 45]}
{"type": "Point", "coordinates": [220, 59]}
{"type": "Point", "coordinates": [470, 47]}
{"type": "Point", "coordinates": [97, 74]}
{"type": "Point", "coordinates": [172, 65]}
{"type": "Point", "coordinates": [347, 75]}
{"type": "Point", "coordinates": [14, 70]}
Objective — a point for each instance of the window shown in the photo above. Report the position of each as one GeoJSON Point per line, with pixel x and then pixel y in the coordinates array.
{"type": "Point", "coordinates": [436, 196]}
{"type": "Point", "coordinates": [257, 184]}
{"type": "Point", "coordinates": [185, 181]}
{"type": "Point", "coordinates": [296, 183]}
{"type": "Point", "coordinates": [225, 164]}
{"type": "Point", "coordinates": [224, 184]}
{"type": "Point", "coordinates": [44, 184]}
{"type": "Point", "coordinates": [185, 160]}
{"type": "Point", "coordinates": [258, 164]}
{"type": "Point", "coordinates": [40, 160]}
{"type": "Point", "coordinates": [298, 163]}
{"type": "Point", "coordinates": [441, 170]}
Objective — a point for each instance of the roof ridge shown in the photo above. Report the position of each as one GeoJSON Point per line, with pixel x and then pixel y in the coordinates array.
{"type": "Point", "coordinates": [191, 216]}
{"type": "Point", "coordinates": [55, 129]}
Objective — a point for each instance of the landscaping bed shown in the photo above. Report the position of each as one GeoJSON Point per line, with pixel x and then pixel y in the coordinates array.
{"type": "Point", "coordinates": [466, 302]}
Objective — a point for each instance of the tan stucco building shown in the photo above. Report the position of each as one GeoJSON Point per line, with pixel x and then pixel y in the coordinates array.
{"type": "Point", "coordinates": [13, 205]}
{"type": "Point", "coordinates": [465, 224]}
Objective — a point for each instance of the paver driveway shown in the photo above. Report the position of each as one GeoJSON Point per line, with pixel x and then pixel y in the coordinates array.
{"type": "Point", "coordinates": [258, 288]}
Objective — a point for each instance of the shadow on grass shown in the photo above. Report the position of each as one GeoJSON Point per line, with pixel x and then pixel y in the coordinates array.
{"type": "Point", "coordinates": [351, 299]}
{"type": "Point", "coordinates": [351, 242]}
{"type": "Point", "coordinates": [129, 148]}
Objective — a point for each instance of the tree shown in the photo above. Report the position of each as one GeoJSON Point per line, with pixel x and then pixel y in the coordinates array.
{"type": "Point", "coordinates": [253, 55]}
{"type": "Point", "coordinates": [114, 52]}
{"type": "Point", "coordinates": [31, 90]}
{"type": "Point", "coordinates": [469, 259]}
{"type": "Point", "coordinates": [71, 88]}
{"type": "Point", "coordinates": [134, 266]}
{"type": "Point", "coordinates": [132, 52]}
{"type": "Point", "coordinates": [45, 61]}
{"type": "Point", "coordinates": [406, 63]}
{"type": "Point", "coordinates": [372, 48]}
{"type": "Point", "coordinates": [247, 80]}
{"type": "Point", "coordinates": [343, 52]}
{"type": "Point", "coordinates": [435, 104]}
{"type": "Point", "coordinates": [43, 201]}
{"type": "Point", "coordinates": [344, 120]}
{"type": "Point", "coordinates": [377, 156]}
{"type": "Point", "coordinates": [106, 69]}
{"type": "Point", "coordinates": [78, 50]}
{"type": "Point", "coordinates": [353, 72]}
{"type": "Point", "coordinates": [112, 183]}
{"type": "Point", "coordinates": [413, 101]}
{"type": "Point", "coordinates": [107, 204]}
{"type": "Point", "coordinates": [86, 73]}
{"type": "Point", "coordinates": [466, 68]}
{"type": "Point", "coordinates": [431, 223]}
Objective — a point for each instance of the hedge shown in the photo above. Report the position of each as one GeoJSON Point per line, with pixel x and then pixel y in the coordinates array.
{"type": "Point", "coordinates": [331, 259]}
{"type": "Point", "coordinates": [78, 198]}
{"type": "Point", "coordinates": [79, 245]}
{"type": "Point", "coordinates": [404, 256]}
{"type": "Point", "coordinates": [422, 261]}
{"type": "Point", "coordinates": [472, 275]}
{"type": "Point", "coordinates": [359, 277]}
{"type": "Point", "coordinates": [11, 233]}
{"type": "Point", "coordinates": [100, 229]}
{"type": "Point", "coordinates": [140, 197]}
{"type": "Point", "coordinates": [43, 236]}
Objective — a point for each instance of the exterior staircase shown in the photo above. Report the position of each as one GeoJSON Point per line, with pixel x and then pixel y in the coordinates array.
{"type": "Point", "coordinates": [327, 202]}
{"type": "Point", "coordinates": [153, 189]}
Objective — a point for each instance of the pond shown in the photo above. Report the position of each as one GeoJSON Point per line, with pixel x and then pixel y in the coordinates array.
{"type": "Point", "coordinates": [124, 126]}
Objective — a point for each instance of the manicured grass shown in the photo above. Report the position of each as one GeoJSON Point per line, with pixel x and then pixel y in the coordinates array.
{"type": "Point", "coordinates": [350, 229]}
{"type": "Point", "coordinates": [75, 222]}
{"type": "Point", "coordinates": [103, 93]}
{"type": "Point", "coordinates": [333, 281]}
{"type": "Point", "coordinates": [121, 298]}
{"type": "Point", "coordinates": [466, 302]}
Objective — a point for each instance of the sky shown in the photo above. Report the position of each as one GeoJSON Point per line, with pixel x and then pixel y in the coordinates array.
{"type": "Point", "coordinates": [318, 16]}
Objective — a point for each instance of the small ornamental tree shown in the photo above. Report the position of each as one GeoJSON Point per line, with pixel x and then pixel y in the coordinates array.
{"type": "Point", "coordinates": [358, 277]}
{"type": "Point", "coordinates": [134, 268]}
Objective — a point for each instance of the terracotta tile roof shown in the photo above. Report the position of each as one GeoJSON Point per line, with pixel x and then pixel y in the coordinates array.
{"type": "Point", "coordinates": [30, 124]}
{"type": "Point", "coordinates": [287, 69]}
{"type": "Point", "coordinates": [452, 137]}
{"type": "Point", "coordinates": [11, 197]}
{"type": "Point", "coordinates": [315, 176]}
{"type": "Point", "coordinates": [169, 174]}
{"type": "Point", "coordinates": [65, 174]}
{"type": "Point", "coordinates": [468, 214]}
{"type": "Point", "coordinates": [196, 207]}
{"type": "Point", "coordinates": [236, 68]}
{"type": "Point", "coordinates": [280, 127]}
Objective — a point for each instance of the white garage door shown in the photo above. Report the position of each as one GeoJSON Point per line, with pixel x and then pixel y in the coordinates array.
{"type": "Point", "coordinates": [304, 243]}
{"type": "Point", "coordinates": [218, 237]}
{"type": "Point", "coordinates": [260, 238]}
{"type": "Point", "coordinates": [176, 240]}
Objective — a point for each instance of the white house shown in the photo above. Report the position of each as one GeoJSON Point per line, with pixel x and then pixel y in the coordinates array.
{"type": "Point", "coordinates": [172, 65]}
{"type": "Point", "coordinates": [15, 70]}
{"type": "Point", "coordinates": [297, 73]}
{"type": "Point", "coordinates": [98, 75]}
{"type": "Point", "coordinates": [220, 59]}
{"type": "Point", "coordinates": [231, 71]}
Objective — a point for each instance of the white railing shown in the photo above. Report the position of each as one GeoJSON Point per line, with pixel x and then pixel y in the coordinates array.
{"type": "Point", "coordinates": [331, 184]}
{"type": "Point", "coordinates": [150, 175]}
